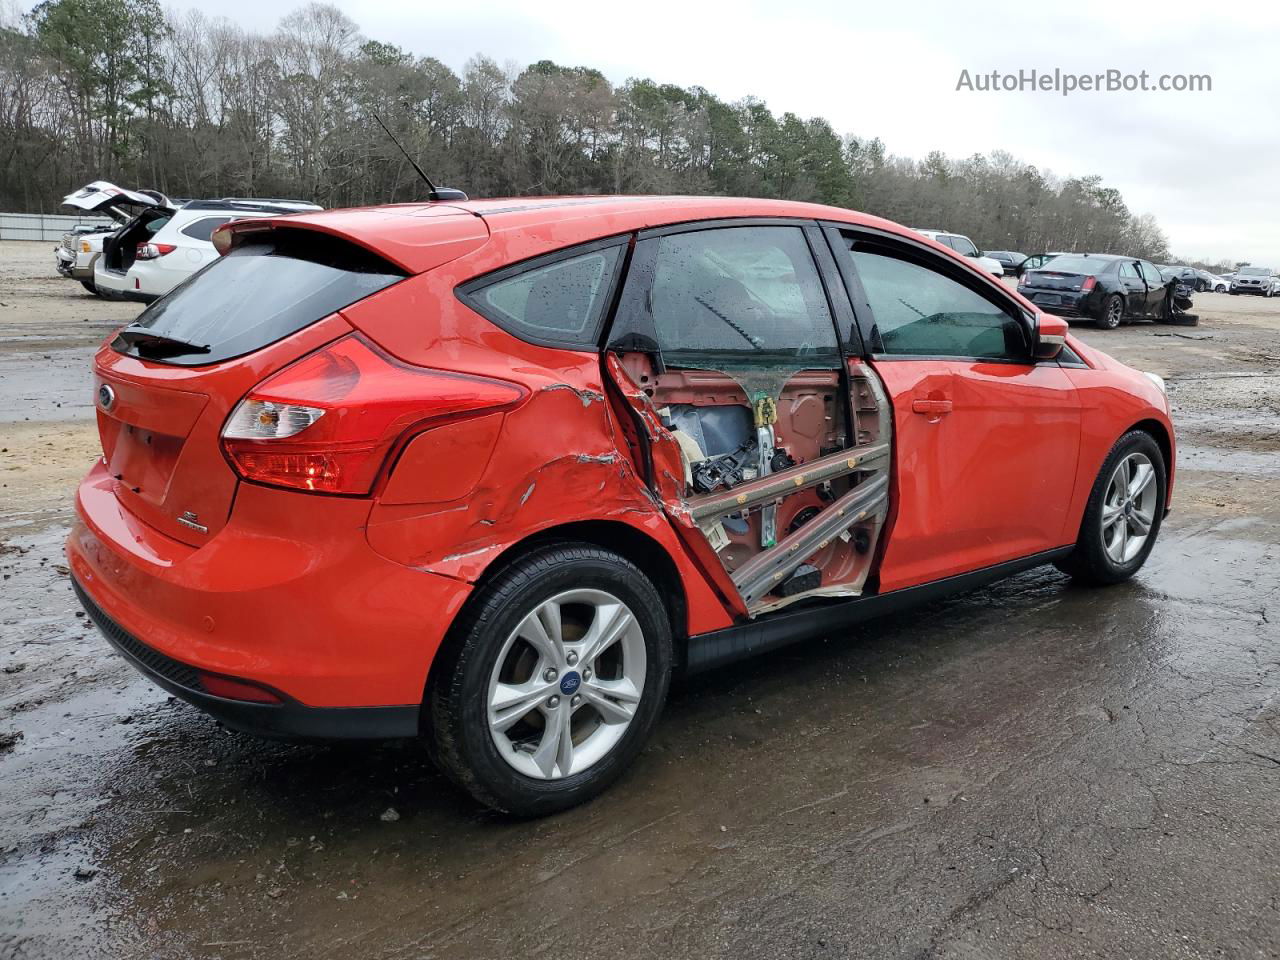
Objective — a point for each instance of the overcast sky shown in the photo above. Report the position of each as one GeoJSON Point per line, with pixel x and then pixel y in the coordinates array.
{"type": "Point", "coordinates": [1203, 163]}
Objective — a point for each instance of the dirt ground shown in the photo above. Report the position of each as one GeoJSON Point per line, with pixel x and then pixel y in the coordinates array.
{"type": "Point", "coordinates": [1034, 770]}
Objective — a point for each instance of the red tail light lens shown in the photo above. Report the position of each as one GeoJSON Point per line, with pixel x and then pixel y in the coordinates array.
{"type": "Point", "coordinates": [153, 251]}
{"type": "Point", "coordinates": [1089, 283]}
{"type": "Point", "coordinates": [328, 422]}
{"type": "Point", "coordinates": [1022, 280]}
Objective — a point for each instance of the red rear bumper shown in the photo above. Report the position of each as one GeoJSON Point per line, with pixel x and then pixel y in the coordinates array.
{"type": "Point", "coordinates": [288, 595]}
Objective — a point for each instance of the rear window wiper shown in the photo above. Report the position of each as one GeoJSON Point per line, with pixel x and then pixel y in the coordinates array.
{"type": "Point", "coordinates": [148, 343]}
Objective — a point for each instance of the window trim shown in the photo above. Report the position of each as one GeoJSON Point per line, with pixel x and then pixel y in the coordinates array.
{"type": "Point", "coordinates": [589, 338]}
{"type": "Point", "coordinates": [987, 287]}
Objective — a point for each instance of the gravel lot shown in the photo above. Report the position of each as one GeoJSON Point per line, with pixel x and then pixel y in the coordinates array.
{"type": "Point", "coordinates": [1034, 770]}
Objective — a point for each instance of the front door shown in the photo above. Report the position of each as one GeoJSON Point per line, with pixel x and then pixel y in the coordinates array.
{"type": "Point", "coordinates": [985, 439]}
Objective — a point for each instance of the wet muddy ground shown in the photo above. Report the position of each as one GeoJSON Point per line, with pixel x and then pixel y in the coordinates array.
{"type": "Point", "coordinates": [1035, 770]}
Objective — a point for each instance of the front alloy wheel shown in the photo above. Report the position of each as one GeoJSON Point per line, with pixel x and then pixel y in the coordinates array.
{"type": "Point", "coordinates": [1129, 508]}
{"type": "Point", "coordinates": [1122, 518]}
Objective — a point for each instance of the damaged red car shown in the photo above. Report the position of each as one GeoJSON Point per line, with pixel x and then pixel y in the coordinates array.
{"type": "Point", "coordinates": [490, 472]}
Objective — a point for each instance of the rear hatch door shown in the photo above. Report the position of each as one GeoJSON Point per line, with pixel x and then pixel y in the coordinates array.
{"type": "Point", "coordinates": [103, 197]}
{"type": "Point", "coordinates": [167, 382]}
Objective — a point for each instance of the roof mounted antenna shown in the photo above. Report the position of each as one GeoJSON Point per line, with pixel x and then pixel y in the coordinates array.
{"type": "Point", "coordinates": [436, 193]}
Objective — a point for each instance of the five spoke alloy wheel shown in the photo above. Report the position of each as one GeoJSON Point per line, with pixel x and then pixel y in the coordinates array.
{"type": "Point", "coordinates": [566, 684]}
{"type": "Point", "coordinates": [1129, 507]}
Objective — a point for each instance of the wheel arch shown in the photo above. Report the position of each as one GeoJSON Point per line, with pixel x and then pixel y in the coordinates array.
{"type": "Point", "coordinates": [1164, 440]}
{"type": "Point", "coordinates": [650, 556]}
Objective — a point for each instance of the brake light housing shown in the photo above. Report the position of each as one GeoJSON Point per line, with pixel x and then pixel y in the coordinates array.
{"type": "Point", "coordinates": [154, 251]}
{"type": "Point", "coordinates": [329, 422]}
{"type": "Point", "coordinates": [1088, 284]}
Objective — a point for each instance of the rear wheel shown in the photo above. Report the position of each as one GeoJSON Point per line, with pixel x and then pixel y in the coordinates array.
{"type": "Point", "coordinates": [88, 285]}
{"type": "Point", "coordinates": [1123, 516]}
{"type": "Point", "coordinates": [1112, 312]}
{"type": "Point", "coordinates": [551, 681]}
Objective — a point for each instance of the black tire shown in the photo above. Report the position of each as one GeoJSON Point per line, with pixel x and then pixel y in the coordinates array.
{"type": "Point", "coordinates": [457, 731]}
{"type": "Point", "coordinates": [1112, 312]}
{"type": "Point", "coordinates": [1089, 562]}
{"type": "Point", "coordinates": [88, 285]}
{"type": "Point", "coordinates": [1234, 293]}
{"type": "Point", "coordinates": [1220, 288]}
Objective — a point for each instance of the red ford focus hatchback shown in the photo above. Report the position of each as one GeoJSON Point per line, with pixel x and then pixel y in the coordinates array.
{"type": "Point", "coordinates": [489, 472]}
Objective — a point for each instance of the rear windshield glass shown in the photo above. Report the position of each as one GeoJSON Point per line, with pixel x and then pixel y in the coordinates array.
{"type": "Point", "coordinates": [254, 296]}
{"type": "Point", "coordinates": [1076, 265]}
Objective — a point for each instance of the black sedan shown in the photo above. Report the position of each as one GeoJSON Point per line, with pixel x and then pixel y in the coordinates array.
{"type": "Point", "coordinates": [1104, 288]}
{"type": "Point", "coordinates": [1011, 260]}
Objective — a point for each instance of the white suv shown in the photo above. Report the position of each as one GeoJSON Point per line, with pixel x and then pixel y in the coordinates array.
{"type": "Point", "coordinates": [168, 241]}
{"type": "Point", "coordinates": [965, 247]}
{"type": "Point", "coordinates": [163, 247]}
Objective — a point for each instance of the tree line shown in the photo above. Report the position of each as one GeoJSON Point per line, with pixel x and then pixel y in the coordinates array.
{"type": "Point", "coordinates": [121, 90]}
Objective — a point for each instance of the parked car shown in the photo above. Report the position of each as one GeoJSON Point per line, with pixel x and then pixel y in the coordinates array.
{"type": "Point", "coordinates": [1257, 280]}
{"type": "Point", "coordinates": [1220, 284]}
{"type": "Point", "coordinates": [77, 255]}
{"type": "Point", "coordinates": [966, 248]}
{"type": "Point", "coordinates": [79, 250]}
{"type": "Point", "coordinates": [1038, 260]}
{"type": "Point", "coordinates": [1009, 260]}
{"type": "Point", "coordinates": [1100, 286]}
{"type": "Point", "coordinates": [167, 241]}
{"type": "Point", "coordinates": [1198, 280]}
{"type": "Point", "coordinates": [491, 471]}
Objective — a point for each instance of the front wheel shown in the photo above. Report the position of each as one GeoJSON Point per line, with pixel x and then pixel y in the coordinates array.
{"type": "Point", "coordinates": [1123, 515]}
{"type": "Point", "coordinates": [551, 680]}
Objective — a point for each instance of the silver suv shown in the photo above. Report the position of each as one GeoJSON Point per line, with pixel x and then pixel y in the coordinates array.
{"type": "Point", "coordinates": [1261, 280]}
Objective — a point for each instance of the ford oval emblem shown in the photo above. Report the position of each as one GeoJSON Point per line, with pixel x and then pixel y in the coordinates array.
{"type": "Point", "coordinates": [569, 683]}
{"type": "Point", "coordinates": [106, 396]}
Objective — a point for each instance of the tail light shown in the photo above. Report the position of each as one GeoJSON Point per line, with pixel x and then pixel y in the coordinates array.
{"type": "Point", "coordinates": [1022, 280]}
{"type": "Point", "coordinates": [153, 251]}
{"type": "Point", "coordinates": [1089, 284]}
{"type": "Point", "coordinates": [328, 422]}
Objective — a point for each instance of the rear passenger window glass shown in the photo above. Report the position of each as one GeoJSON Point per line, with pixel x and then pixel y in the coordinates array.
{"type": "Point", "coordinates": [255, 295]}
{"type": "Point", "coordinates": [964, 246]}
{"type": "Point", "coordinates": [556, 302]}
{"type": "Point", "coordinates": [203, 228]}
{"type": "Point", "coordinates": [738, 291]}
{"type": "Point", "coordinates": [1127, 271]}
{"type": "Point", "coordinates": [921, 312]}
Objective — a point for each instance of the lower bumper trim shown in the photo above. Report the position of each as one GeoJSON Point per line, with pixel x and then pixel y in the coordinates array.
{"type": "Point", "coordinates": [286, 721]}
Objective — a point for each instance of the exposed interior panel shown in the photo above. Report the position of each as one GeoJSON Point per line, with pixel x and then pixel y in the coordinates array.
{"type": "Point", "coordinates": [784, 472]}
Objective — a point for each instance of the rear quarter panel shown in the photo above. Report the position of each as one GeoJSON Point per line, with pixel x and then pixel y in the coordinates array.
{"type": "Point", "coordinates": [555, 459]}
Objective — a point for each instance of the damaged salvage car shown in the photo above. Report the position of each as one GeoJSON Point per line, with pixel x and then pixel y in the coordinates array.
{"type": "Point", "coordinates": [490, 472]}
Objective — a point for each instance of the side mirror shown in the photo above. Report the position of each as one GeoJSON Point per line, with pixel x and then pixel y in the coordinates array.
{"type": "Point", "coordinates": [1050, 337]}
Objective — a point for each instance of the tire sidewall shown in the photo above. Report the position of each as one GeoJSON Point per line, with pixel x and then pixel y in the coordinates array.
{"type": "Point", "coordinates": [570, 568]}
{"type": "Point", "coordinates": [1105, 319]}
{"type": "Point", "coordinates": [1099, 563]}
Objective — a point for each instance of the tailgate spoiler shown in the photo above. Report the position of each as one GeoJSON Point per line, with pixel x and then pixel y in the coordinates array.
{"type": "Point", "coordinates": [415, 237]}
